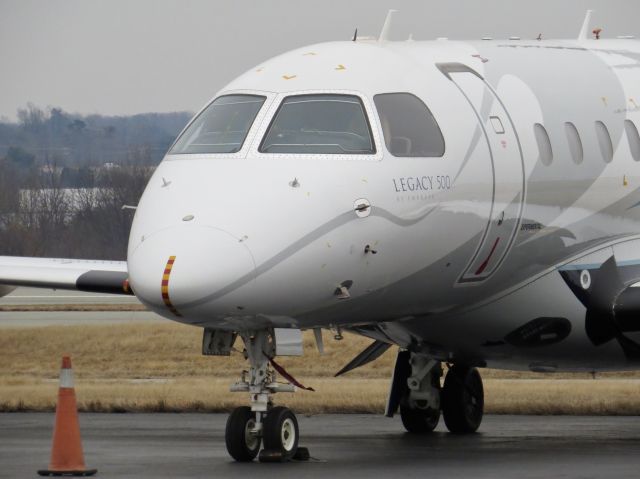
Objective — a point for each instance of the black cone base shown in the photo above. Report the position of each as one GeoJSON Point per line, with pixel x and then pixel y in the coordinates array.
{"type": "Point", "coordinates": [84, 473]}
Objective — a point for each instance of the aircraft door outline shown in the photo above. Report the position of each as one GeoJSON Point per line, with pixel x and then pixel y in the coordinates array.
{"type": "Point", "coordinates": [507, 162]}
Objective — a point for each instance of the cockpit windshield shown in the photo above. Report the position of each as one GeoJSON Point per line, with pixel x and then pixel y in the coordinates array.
{"type": "Point", "coordinates": [222, 127]}
{"type": "Point", "coordinates": [319, 124]}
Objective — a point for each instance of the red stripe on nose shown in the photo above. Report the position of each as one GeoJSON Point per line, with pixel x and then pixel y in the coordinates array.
{"type": "Point", "coordinates": [164, 286]}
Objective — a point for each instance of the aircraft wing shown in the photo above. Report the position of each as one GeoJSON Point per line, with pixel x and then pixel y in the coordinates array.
{"type": "Point", "coordinates": [57, 273]}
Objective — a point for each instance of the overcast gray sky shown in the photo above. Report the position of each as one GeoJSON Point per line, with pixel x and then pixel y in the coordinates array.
{"type": "Point", "coordinates": [133, 56]}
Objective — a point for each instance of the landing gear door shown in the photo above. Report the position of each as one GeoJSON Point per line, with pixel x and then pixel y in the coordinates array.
{"type": "Point", "coordinates": [507, 162]}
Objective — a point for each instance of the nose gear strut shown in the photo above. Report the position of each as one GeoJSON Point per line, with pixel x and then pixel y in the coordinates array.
{"type": "Point", "coordinates": [277, 427]}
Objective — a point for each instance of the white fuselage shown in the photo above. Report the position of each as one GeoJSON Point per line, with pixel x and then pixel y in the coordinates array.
{"type": "Point", "coordinates": [282, 239]}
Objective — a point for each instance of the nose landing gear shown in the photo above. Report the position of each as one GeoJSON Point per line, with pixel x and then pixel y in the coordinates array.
{"type": "Point", "coordinates": [274, 426]}
{"type": "Point", "coordinates": [280, 435]}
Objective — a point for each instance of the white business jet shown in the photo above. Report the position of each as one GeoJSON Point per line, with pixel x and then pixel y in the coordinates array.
{"type": "Point", "coordinates": [474, 203]}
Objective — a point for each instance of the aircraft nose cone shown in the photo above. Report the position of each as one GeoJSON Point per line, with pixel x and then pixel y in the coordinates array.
{"type": "Point", "coordinates": [182, 267]}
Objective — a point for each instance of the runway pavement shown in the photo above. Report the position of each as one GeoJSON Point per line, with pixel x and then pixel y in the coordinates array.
{"type": "Point", "coordinates": [37, 296]}
{"type": "Point", "coordinates": [27, 319]}
{"type": "Point", "coordinates": [192, 445]}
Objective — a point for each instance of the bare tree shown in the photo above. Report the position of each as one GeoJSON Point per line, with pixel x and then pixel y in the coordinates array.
{"type": "Point", "coordinates": [43, 212]}
{"type": "Point", "coordinates": [100, 221]}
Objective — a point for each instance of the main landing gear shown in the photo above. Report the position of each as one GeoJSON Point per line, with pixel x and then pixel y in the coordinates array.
{"type": "Point", "coordinates": [462, 399]}
{"type": "Point", "coordinates": [276, 427]}
{"type": "Point", "coordinates": [416, 389]}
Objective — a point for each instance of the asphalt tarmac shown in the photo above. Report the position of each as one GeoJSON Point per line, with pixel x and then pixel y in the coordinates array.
{"type": "Point", "coordinates": [37, 296]}
{"type": "Point", "coordinates": [342, 446]}
{"type": "Point", "coordinates": [30, 319]}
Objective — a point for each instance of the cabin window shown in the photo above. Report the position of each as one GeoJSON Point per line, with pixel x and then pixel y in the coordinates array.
{"type": "Point", "coordinates": [544, 144]}
{"type": "Point", "coordinates": [408, 126]}
{"type": "Point", "coordinates": [604, 140]}
{"type": "Point", "coordinates": [634, 139]}
{"type": "Point", "coordinates": [575, 143]}
{"type": "Point", "coordinates": [320, 124]}
{"type": "Point", "coordinates": [222, 127]}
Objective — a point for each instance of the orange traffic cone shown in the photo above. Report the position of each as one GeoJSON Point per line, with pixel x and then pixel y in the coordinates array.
{"type": "Point", "coordinates": [67, 458]}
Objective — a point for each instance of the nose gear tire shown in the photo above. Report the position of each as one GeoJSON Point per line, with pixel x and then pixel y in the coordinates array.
{"type": "Point", "coordinates": [280, 432]}
{"type": "Point", "coordinates": [241, 444]}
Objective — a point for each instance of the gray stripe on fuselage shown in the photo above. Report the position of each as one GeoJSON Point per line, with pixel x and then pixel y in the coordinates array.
{"type": "Point", "coordinates": [387, 215]}
{"type": "Point", "coordinates": [293, 248]}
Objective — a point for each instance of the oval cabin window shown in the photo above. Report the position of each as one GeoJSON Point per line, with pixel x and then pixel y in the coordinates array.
{"type": "Point", "coordinates": [544, 144]}
{"type": "Point", "coordinates": [604, 140]}
{"type": "Point", "coordinates": [634, 139]}
{"type": "Point", "coordinates": [575, 144]}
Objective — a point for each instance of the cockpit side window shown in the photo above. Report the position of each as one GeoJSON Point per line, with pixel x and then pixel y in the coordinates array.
{"type": "Point", "coordinates": [222, 127]}
{"type": "Point", "coordinates": [320, 124]}
{"type": "Point", "coordinates": [409, 128]}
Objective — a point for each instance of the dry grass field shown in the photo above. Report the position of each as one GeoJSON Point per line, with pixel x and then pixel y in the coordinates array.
{"type": "Point", "coordinates": [158, 367]}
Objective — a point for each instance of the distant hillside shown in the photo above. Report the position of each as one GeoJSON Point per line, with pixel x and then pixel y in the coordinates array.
{"type": "Point", "coordinates": [53, 136]}
{"type": "Point", "coordinates": [64, 179]}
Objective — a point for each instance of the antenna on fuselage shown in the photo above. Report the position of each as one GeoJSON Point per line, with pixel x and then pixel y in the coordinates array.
{"type": "Point", "coordinates": [355, 35]}
{"type": "Point", "coordinates": [384, 33]}
{"type": "Point", "coordinates": [584, 31]}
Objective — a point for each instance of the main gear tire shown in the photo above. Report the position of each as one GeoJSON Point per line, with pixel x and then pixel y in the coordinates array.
{"type": "Point", "coordinates": [419, 421]}
{"type": "Point", "coordinates": [462, 400]}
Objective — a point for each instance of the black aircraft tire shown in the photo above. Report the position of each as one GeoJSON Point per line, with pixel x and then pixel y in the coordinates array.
{"type": "Point", "coordinates": [280, 432]}
{"type": "Point", "coordinates": [462, 400]}
{"type": "Point", "coordinates": [419, 421]}
{"type": "Point", "coordinates": [242, 446]}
